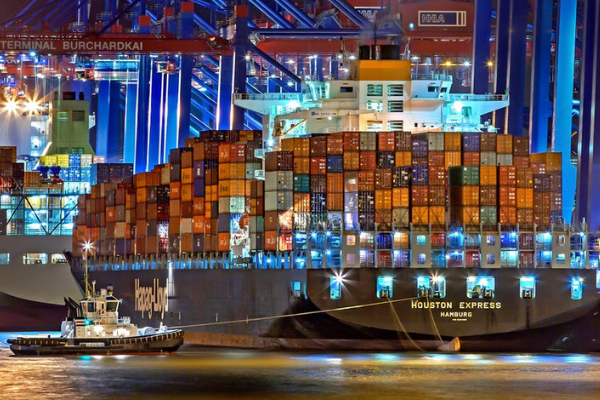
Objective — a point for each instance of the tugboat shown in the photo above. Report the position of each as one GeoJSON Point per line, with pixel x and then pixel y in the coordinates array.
{"type": "Point", "coordinates": [93, 327]}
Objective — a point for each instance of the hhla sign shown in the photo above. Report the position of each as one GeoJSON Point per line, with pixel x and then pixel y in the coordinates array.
{"type": "Point", "coordinates": [443, 18]}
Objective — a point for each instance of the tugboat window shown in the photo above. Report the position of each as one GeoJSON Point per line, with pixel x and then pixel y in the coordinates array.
{"type": "Point", "coordinates": [335, 287]}
{"type": "Point", "coordinates": [576, 288]}
{"type": "Point", "coordinates": [91, 306]}
{"type": "Point", "coordinates": [385, 288]}
{"type": "Point", "coordinates": [527, 287]}
{"type": "Point", "coordinates": [481, 287]}
{"type": "Point", "coordinates": [4, 258]}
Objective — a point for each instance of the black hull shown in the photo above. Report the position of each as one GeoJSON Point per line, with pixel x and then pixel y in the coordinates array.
{"type": "Point", "coordinates": [160, 343]}
{"type": "Point", "coordinates": [250, 308]}
{"type": "Point", "coordinates": [24, 315]}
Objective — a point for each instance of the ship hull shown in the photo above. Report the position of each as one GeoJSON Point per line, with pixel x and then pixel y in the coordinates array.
{"type": "Point", "coordinates": [32, 295]}
{"type": "Point", "coordinates": [260, 309]}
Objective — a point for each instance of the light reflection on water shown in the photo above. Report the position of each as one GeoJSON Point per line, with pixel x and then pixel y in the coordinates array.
{"type": "Point", "coordinates": [198, 373]}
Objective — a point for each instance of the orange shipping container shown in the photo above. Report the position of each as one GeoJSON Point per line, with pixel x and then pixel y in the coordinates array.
{"type": "Point", "coordinates": [452, 158]}
{"type": "Point", "coordinates": [187, 192]}
{"type": "Point", "coordinates": [420, 215]}
{"type": "Point", "coordinates": [174, 190]}
{"type": "Point", "coordinates": [488, 175]}
{"type": "Point", "coordinates": [351, 160]}
{"type": "Point", "coordinates": [335, 183]}
{"type": "Point", "coordinates": [224, 241]}
{"type": "Point", "coordinates": [452, 141]}
{"type": "Point", "coordinates": [301, 165]}
{"type": "Point", "coordinates": [237, 171]}
{"type": "Point", "coordinates": [401, 197]}
{"type": "Point", "coordinates": [471, 158]}
{"type": "Point", "coordinates": [285, 242]}
{"type": "Point", "coordinates": [271, 240]}
{"type": "Point", "coordinates": [198, 206]}
{"type": "Point", "coordinates": [224, 152]}
{"type": "Point", "coordinates": [198, 151]}
{"type": "Point", "coordinates": [403, 158]}
{"type": "Point", "coordinates": [524, 197]}
{"type": "Point", "coordinates": [437, 216]}
{"type": "Point", "coordinates": [302, 202]}
{"type": "Point", "coordinates": [468, 216]}
{"type": "Point", "coordinates": [504, 144]}
{"type": "Point", "coordinates": [335, 202]}
{"type": "Point", "coordinates": [301, 147]}
{"type": "Point", "coordinates": [224, 170]}
{"type": "Point", "coordinates": [383, 200]}
{"type": "Point", "coordinates": [287, 144]}
{"type": "Point", "coordinates": [438, 176]}
{"type": "Point", "coordinates": [524, 177]}
{"type": "Point", "coordinates": [366, 181]}
{"type": "Point", "coordinates": [436, 159]}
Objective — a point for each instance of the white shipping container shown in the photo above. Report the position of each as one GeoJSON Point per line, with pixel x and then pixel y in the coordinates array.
{"type": "Point", "coordinates": [251, 168]}
{"type": "Point", "coordinates": [504, 159]}
{"type": "Point", "coordinates": [285, 200]}
{"type": "Point", "coordinates": [436, 141]}
{"type": "Point", "coordinates": [368, 141]}
{"type": "Point", "coordinates": [237, 205]}
{"type": "Point", "coordinates": [488, 158]}
{"type": "Point", "coordinates": [279, 180]}
{"type": "Point", "coordinates": [271, 201]}
{"type": "Point", "coordinates": [165, 176]}
{"type": "Point", "coordinates": [186, 225]}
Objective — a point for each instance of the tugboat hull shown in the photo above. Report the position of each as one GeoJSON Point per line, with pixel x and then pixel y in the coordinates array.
{"type": "Point", "coordinates": [167, 342]}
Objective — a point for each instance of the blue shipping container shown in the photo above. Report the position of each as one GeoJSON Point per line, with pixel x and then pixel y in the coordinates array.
{"type": "Point", "coordinates": [335, 163]}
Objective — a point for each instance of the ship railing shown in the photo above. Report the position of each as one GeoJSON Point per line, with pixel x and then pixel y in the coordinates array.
{"type": "Point", "coordinates": [431, 77]}
{"type": "Point", "coordinates": [270, 96]}
{"type": "Point", "coordinates": [477, 97]}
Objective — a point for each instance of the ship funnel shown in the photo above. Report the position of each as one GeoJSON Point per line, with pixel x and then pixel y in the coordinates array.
{"type": "Point", "coordinates": [389, 52]}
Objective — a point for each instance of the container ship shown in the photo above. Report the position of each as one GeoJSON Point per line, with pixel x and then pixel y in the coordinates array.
{"type": "Point", "coordinates": [370, 213]}
{"type": "Point", "coordinates": [38, 205]}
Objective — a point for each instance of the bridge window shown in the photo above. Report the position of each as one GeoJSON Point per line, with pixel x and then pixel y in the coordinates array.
{"type": "Point", "coordinates": [375, 105]}
{"type": "Point", "coordinates": [374, 89]}
{"type": "Point", "coordinates": [395, 126]}
{"type": "Point", "coordinates": [296, 289]}
{"type": "Point", "coordinates": [490, 259]}
{"type": "Point", "coordinates": [78, 115]}
{"type": "Point", "coordinates": [395, 106]}
{"type": "Point", "coordinates": [576, 288]}
{"type": "Point", "coordinates": [490, 240]}
{"type": "Point", "coordinates": [384, 287]}
{"type": "Point", "coordinates": [35, 258]}
{"type": "Point", "coordinates": [527, 287]}
{"type": "Point", "coordinates": [421, 240]}
{"type": "Point", "coordinates": [421, 258]}
{"type": "Point", "coordinates": [62, 115]}
{"type": "Point", "coordinates": [374, 126]}
{"type": "Point", "coordinates": [346, 89]}
{"type": "Point", "coordinates": [335, 287]}
{"type": "Point", "coordinates": [481, 287]}
{"type": "Point", "coordinates": [395, 90]}
{"type": "Point", "coordinates": [433, 89]}
{"type": "Point", "coordinates": [561, 258]}
{"type": "Point", "coordinates": [4, 258]}
{"type": "Point", "coordinates": [423, 286]}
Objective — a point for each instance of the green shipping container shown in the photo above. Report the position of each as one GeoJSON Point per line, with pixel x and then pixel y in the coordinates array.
{"type": "Point", "coordinates": [464, 175]}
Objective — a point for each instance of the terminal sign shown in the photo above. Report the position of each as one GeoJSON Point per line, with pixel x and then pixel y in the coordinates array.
{"type": "Point", "coordinates": [443, 18]}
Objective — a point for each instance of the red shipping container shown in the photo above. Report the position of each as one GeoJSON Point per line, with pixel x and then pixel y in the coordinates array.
{"type": "Point", "coordinates": [524, 177]}
{"type": "Point", "coordinates": [419, 196]}
{"type": "Point", "coordinates": [318, 183]}
{"type": "Point", "coordinates": [487, 141]}
{"type": "Point", "coordinates": [238, 153]}
{"type": "Point", "coordinates": [488, 195]}
{"type": "Point", "coordinates": [318, 165]}
{"type": "Point", "coordinates": [424, 161]}
{"type": "Point", "coordinates": [555, 201]}
{"type": "Point", "coordinates": [525, 218]}
{"type": "Point", "coordinates": [437, 195]}
{"type": "Point", "coordinates": [436, 159]}
{"type": "Point", "coordinates": [521, 146]}
{"type": "Point", "coordinates": [507, 196]}
{"type": "Point", "coordinates": [351, 141]}
{"type": "Point", "coordinates": [285, 242]}
{"type": "Point", "coordinates": [472, 259]}
{"type": "Point", "coordinates": [384, 259]}
{"type": "Point", "coordinates": [471, 158]}
{"type": "Point", "coordinates": [507, 175]}
{"type": "Point", "coordinates": [318, 146]}
{"type": "Point", "coordinates": [224, 152]}
{"type": "Point", "coordinates": [521, 161]}
{"type": "Point", "coordinates": [271, 240]}
{"type": "Point", "coordinates": [437, 176]}
{"type": "Point", "coordinates": [525, 259]}
{"type": "Point", "coordinates": [366, 181]}
{"type": "Point", "coordinates": [507, 215]}
{"type": "Point", "coordinates": [386, 141]}
{"type": "Point", "coordinates": [403, 141]}
{"type": "Point", "coordinates": [368, 160]}
{"type": "Point", "coordinates": [438, 240]}
{"type": "Point", "coordinates": [383, 179]}
{"type": "Point", "coordinates": [335, 143]}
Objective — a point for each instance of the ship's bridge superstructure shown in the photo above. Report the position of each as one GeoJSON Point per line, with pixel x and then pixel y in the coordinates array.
{"type": "Point", "coordinates": [380, 95]}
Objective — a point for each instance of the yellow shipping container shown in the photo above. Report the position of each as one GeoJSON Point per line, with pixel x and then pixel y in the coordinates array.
{"type": "Point", "coordinates": [383, 199]}
{"type": "Point", "coordinates": [224, 171]}
{"type": "Point", "coordinates": [186, 175]}
{"type": "Point", "coordinates": [452, 141]}
{"type": "Point", "coordinates": [287, 144]}
{"type": "Point", "coordinates": [237, 171]}
{"type": "Point", "coordinates": [488, 175]}
{"type": "Point", "coordinates": [301, 165]}
{"type": "Point", "coordinates": [187, 192]}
